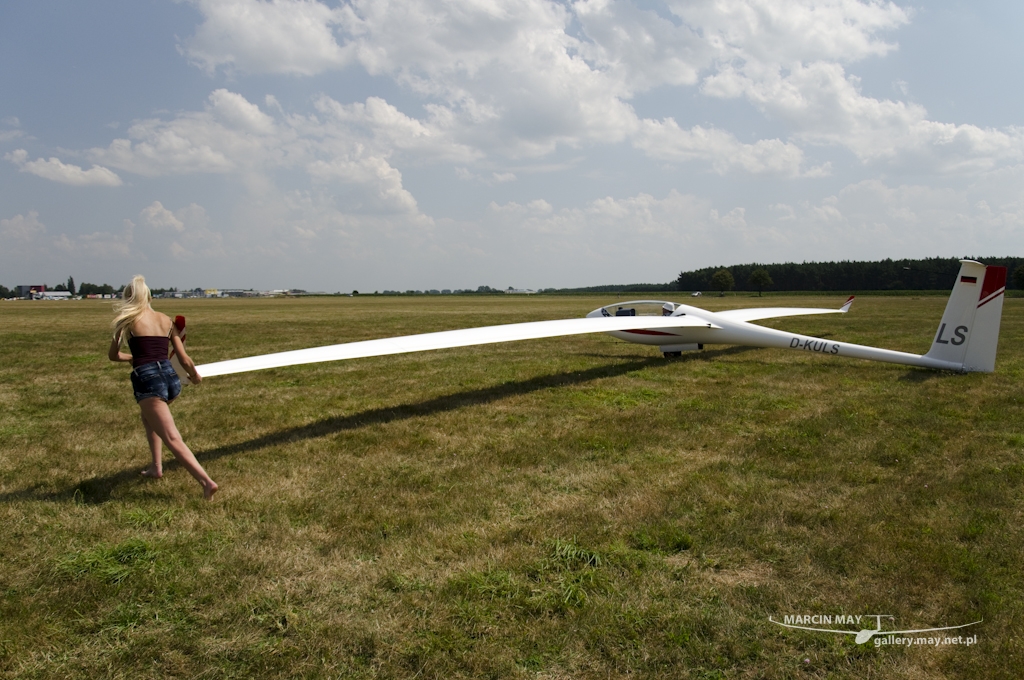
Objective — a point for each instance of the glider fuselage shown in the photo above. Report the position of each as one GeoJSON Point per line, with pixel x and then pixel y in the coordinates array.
{"type": "Point", "coordinates": [726, 331]}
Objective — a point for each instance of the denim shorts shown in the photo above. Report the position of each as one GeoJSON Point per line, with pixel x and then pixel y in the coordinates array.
{"type": "Point", "coordinates": [156, 379]}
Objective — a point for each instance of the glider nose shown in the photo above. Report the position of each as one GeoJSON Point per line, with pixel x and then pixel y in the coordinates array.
{"type": "Point", "coordinates": [865, 635]}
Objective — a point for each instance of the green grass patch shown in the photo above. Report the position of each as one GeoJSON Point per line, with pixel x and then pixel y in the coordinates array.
{"type": "Point", "coordinates": [572, 507]}
{"type": "Point", "coordinates": [111, 564]}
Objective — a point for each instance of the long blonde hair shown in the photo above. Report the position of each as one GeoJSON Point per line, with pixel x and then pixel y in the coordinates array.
{"type": "Point", "coordinates": [134, 301]}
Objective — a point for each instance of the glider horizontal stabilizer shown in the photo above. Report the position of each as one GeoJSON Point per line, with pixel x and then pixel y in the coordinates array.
{"type": "Point", "coordinates": [447, 339]}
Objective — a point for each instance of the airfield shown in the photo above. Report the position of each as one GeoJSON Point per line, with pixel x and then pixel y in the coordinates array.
{"type": "Point", "coordinates": [564, 508]}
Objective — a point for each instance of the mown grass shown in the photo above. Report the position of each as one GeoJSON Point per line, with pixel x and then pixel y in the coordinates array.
{"type": "Point", "coordinates": [573, 507]}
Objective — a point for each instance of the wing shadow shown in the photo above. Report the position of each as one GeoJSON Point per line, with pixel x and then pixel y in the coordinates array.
{"type": "Point", "coordinates": [100, 489]}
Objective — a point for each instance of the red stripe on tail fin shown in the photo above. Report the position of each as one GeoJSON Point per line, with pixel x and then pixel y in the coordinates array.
{"type": "Point", "coordinates": [994, 284]}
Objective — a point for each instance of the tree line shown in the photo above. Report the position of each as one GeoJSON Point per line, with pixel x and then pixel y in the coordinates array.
{"type": "Point", "coordinates": [83, 289]}
{"type": "Point", "coordinates": [929, 274]}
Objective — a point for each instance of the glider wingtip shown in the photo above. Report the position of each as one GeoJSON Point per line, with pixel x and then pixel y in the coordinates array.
{"type": "Point", "coordinates": [846, 305]}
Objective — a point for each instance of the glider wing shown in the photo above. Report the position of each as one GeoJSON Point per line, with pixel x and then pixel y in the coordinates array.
{"type": "Point", "coordinates": [447, 339]}
{"type": "Point", "coordinates": [758, 313]}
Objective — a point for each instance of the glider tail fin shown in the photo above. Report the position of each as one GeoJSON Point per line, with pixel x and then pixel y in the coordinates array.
{"type": "Point", "coordinates": [969, 331]}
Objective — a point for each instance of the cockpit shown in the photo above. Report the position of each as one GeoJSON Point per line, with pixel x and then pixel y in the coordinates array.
{"type": "Point", "coordinates": [638, 308]}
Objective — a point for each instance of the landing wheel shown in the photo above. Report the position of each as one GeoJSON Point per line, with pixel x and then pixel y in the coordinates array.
{"type": "Point", "coordinates": [672, 355]}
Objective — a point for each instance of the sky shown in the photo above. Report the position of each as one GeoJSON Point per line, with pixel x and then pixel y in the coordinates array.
{"type": "Point", "coordinates": [372, 145]}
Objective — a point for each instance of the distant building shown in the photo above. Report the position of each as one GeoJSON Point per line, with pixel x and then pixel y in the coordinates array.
{"type": "Point", "coordinates": [54, 295]}
{"type": "Point", "coordinates": [29, 292]}
{"type": "Point", "coordinates": [520, 291]}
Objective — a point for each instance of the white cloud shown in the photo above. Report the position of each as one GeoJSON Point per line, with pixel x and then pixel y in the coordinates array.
{"type": "Point", "coordinates": [826, 107]}
{"type": "Point", "coordinates": [230, 134]}
{"type": "Point", "coordinates": [21, 228]}
{"type": "Point", "coordinates": [640, 238]}
{"type": "Point", "coordinates": [865, 220]}
{"type": "Point", "coordinates": [606, 224]}
{"type": "Point", "coordinates": [279, 36]}
{"type": "Point", "coordinates": [383, 191]}
{"type": "Point", "coordinates": [497, 91]}
{"type": "Point", "coordinates": [871, 219]}
{"type": "Point", "coordinates": [159, 217]}
{"type": "Point", "coordinates": [380, 126]}
{"type": "Point", "coordinates": [238, 114]}
{"type": "Point", "coordinates": [505, 76]}
{"type": "Point", "coordinates": [10, 135]}
{"type": "Point", "coordinates": [759, 32]}
{"type": "Point", "coordinates": [734, 219]}
{"type": "Point", "coordinates": [517, 78]}
{"type": "Point", "coordinates": [492, 179]}
{"type": "Point", "coordinates": [100, 245]}
{"type": "Point", "coordinates": [343, 141]}
{"type": "Point", "coordinates": [721, 150]}
{"type": "Point", "coordinates": [183, 233]}
{"type": "Point", "coordinates": [161, 235]}
{"type": "Point", "coordinates": [639, 48]}
{"type": "Point", "coordinates": [509, 79]}
{"type": "Point", "coordinates": [28, 246]}
{"type": "Point", "coordinates": [345, 145]}
{"type": "Point", "coordinates": [56, 171]}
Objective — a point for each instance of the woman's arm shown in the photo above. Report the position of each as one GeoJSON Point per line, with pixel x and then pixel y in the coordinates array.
{"type": "Point", "coordinates": [186, 361]}
{"type": "Point", "coordinates": [115, 353]}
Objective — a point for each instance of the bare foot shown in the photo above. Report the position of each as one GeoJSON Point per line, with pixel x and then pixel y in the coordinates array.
{"type": "Point", "coordinates": [209, 488]}
{"type": "Point", "coordinates": [152, 473]}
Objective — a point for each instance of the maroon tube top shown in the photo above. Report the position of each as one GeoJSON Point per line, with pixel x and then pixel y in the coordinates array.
{"type": "Point", "coordinates": [147, 348]}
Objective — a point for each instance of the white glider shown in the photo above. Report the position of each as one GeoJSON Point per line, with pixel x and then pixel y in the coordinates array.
{"type": "Point", "coordinates": [966, 339]}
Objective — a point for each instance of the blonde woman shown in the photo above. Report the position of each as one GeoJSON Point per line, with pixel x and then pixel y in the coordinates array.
{"type": "Point", "coordinates": [149, 334]}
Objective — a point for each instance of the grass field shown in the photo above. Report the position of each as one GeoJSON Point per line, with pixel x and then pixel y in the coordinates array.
{"type": "Point", "coordinates": [566, 508]}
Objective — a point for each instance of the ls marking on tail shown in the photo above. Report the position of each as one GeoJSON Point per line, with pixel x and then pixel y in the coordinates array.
{"type": "Point", "coordinates": [960, 333]}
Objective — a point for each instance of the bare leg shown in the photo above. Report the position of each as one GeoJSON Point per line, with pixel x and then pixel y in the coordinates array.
{"type": "Point", "coordinates": [158, 416]}
{"type": "Point", "coordinates": [156, 469]}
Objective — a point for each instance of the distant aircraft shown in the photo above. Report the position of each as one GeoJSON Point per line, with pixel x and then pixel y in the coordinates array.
{"type": "Point", "coordinates": [966, 339]}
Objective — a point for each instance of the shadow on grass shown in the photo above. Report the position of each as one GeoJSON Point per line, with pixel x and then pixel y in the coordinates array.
{"type": "Point", "coordinates": [687, 356]}
{"type": "Point", "coordinates": [920, 375]}
{"type": "Point", "coordinates": [100, 489]}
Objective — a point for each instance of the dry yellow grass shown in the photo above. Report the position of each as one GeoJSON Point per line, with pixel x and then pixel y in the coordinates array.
{"type": "Point", "coordinates": [574, 507]}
